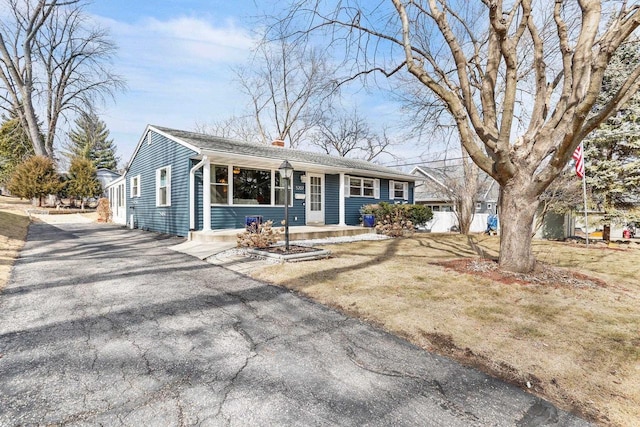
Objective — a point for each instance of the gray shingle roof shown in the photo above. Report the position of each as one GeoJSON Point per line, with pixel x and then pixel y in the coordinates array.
{"type": "Point", "coordinates": [207, 142]}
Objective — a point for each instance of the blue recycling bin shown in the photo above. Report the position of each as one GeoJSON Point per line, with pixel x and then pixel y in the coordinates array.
{"type": "Point", "coordinates": [252, 222]}
{"type": "Point", "coordinates": [369, 220]}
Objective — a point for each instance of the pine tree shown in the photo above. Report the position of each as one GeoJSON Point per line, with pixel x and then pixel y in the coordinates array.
{"type": "Point", "coordinates": [90, 140]}
{"type": "Point", "coordinates": [15, 147]}
{"type": "Point", "coordinates": [612, 152]}
{"type": "Point", "coordinates": [35, 177]}
{"type": "Point", "coordinates": [82, 182]}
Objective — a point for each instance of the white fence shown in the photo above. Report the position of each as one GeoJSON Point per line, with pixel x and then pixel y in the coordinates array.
{"type": "Point", "coordinates": [443, 222]}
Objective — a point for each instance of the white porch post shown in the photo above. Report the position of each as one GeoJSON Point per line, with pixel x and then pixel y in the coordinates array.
{"type": "Point", "coordinates": [192, 194]}
{"type": "Point", "coordinates": [341, 208]}
{"type": "Point", "coordinates": [206, 195]}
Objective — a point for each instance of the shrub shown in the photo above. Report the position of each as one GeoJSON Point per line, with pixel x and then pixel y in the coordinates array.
{"type": "Point", "coordinates": [419, 214]}
{"type": "Point", "coordinates": [83, 181]}
{"type": "Point", "coordinates": [35, 177]}
{"type": "Point", "coordinates": [259, 235]}
{"type": "Point", "coordinates": [397, 220]}
{"type": "Point", "coordinates": [104, 210]}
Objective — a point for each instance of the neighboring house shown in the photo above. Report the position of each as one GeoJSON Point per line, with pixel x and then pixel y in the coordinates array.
{"type": "Point", "coordinates": [435, 186]}
{"type": "Point", "coordinates": [178, 181]}
{"type": "Point", "coordinates": [106, 176]}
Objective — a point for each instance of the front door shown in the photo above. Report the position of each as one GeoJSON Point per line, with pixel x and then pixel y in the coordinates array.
{"type": "Point", "coordinates": [315, 199]}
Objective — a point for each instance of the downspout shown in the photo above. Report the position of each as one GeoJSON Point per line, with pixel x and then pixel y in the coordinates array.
{"type": "Point", "coordinates": [192, 193]}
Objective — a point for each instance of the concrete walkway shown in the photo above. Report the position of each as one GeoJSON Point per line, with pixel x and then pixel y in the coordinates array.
{"type": "Point", "coordinates": [101, 325]}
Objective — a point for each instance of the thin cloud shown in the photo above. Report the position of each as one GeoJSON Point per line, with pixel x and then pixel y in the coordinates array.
{"type": "Point", "coordinates": [178, 72]}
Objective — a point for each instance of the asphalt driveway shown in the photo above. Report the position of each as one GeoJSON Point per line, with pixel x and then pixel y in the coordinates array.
{"type": "Point", "coordinates": [105, 326]}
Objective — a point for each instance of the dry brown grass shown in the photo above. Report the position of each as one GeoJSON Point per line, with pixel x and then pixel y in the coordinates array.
{"type": "Point", "coordinates": [13, 232]}
{"type": "Point", "coordinates": [576, 343]}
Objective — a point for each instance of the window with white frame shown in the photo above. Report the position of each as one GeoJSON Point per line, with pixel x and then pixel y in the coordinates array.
{"type": "Point", "coordinates": [398, 190]}
{"type": "Point", "coordinates": [247, 186]}
{"type": "Point", "coordinates": [135, 186]}
{"type": "Point", "coordinates": [363, 187]}
{"type": "Point", "coordinates": [163, 186]}
{"type": "Point", "coordinates": [478, 206]}
{"type": "Point", "coordinates": [219, 184]}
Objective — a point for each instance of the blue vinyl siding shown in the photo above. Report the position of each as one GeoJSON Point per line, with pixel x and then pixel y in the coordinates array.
{"type": "Point", "coordinates": [332, 199]}
{"type": "Point", "coordinates": [174, 219]}
{"type": "Point", "coordinates": [225, 217]}
{"type": "Point", "coordinates": [353, 204]}
{"type": "Point", "coordinates": [161, 152]}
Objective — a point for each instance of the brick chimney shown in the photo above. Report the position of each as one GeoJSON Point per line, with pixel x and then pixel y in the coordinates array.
{"type": "Point", "coordinates": [278, 143]}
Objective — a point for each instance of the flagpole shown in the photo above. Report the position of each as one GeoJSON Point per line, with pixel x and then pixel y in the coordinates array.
{"type": "Point", "coordinates": [584, 197]}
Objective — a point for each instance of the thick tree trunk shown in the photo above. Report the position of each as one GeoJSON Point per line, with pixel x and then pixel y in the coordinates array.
{"type": "Point", "coordinates": [465, 214]}
{"type": "Point", "coordinates": [517, 211]}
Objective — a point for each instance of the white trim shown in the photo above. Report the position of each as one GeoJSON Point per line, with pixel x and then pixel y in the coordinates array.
{"type": "Point", "coordinates": [274, 163]}
{"type": "Point", "coordinates": [146, 138]}
{"type": "Point", "coordinates": [119, 212]}
{"type": "Point", "coordinates": [192, 193]}
{"type": "Point", "coordinates": [139, 192]}
{"type": "Point", "coordinates": [374, 181]}
{"type": "Point", "coordinates": [320, 213]}
{"type": "Point", "coordinates": [392, 190]}
{"type": "Point", "coordinates": [341, 202]}
{"type": "Point", "coordinates": [230, 186]}
{"type": "Point", "coordinates": [115, 182]}
{"type": "Point", "coordinates": [206, 195]}
{"type": "Point", "coordinates": [168, 186]}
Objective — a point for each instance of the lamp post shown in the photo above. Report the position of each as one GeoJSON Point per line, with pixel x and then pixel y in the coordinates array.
{"type": "Point", "coordinates": [286, 172]}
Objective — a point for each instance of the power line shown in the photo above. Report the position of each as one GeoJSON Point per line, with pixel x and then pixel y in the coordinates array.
{"type": "Point", "coordinates": [423, 162]}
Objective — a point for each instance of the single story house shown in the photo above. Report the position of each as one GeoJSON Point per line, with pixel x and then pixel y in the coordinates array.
{"type": "Point", "coordinates": [178, 181]}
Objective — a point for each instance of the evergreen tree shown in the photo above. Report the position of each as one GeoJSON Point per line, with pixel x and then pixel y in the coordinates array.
{"type": "Point", "coordinates": [90, 140]}
{"type": "Point", "coordinates": [612, 152]}
{"type": "Point", "coordinates": [15, 147]}
{"type": "Point", "coordinates": [82, 182]}
{"type": "Point", "coordinates": [35, 177]}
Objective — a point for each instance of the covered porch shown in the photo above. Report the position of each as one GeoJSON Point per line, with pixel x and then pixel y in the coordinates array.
{"type": "Point", "coordinates": [305, 232]}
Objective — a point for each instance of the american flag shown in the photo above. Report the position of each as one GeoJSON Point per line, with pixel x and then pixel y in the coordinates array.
{"type": "Point", "coordinates": [578, 156]}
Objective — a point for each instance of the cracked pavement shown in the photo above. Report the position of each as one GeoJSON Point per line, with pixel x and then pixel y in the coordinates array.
{"type": "Point", "coordinates": [100, 325]}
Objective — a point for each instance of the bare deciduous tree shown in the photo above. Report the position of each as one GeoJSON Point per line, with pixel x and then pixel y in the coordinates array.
{"type": "Point", "coordinates": [53, 62]}
{"type": "Point", "coordinates": [349, 135]}
{"type": "Point", "coordinates": [289, 86]}
{"type": "Point", "coordinates": [519, 127]}
{"type": "Point", "coordinates": [241, 128]}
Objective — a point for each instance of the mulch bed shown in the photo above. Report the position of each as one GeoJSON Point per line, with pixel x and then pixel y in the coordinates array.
{"type": "Point", "coordinates": [543, 274]}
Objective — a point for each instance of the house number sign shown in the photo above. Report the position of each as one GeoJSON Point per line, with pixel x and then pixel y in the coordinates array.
{"type": "Point", "coordinates": [299, 187]}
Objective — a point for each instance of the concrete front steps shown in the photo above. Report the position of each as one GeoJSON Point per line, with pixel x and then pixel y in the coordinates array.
{"type": "Point", "coordinates": [306, 232]}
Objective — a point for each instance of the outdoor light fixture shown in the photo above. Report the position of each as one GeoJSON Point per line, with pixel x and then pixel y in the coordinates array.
{"type": "Point", "coordinates": [286, 173]}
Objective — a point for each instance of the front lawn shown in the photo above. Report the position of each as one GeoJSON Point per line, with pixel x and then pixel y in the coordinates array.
{"type": "Point", "coordinates": [13, 232]}
{"type": "Point", "coordinates": [571, 338]}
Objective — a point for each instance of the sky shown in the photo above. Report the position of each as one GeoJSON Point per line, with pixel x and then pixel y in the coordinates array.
{"type": "Point", "coordinates": [177, 58]}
